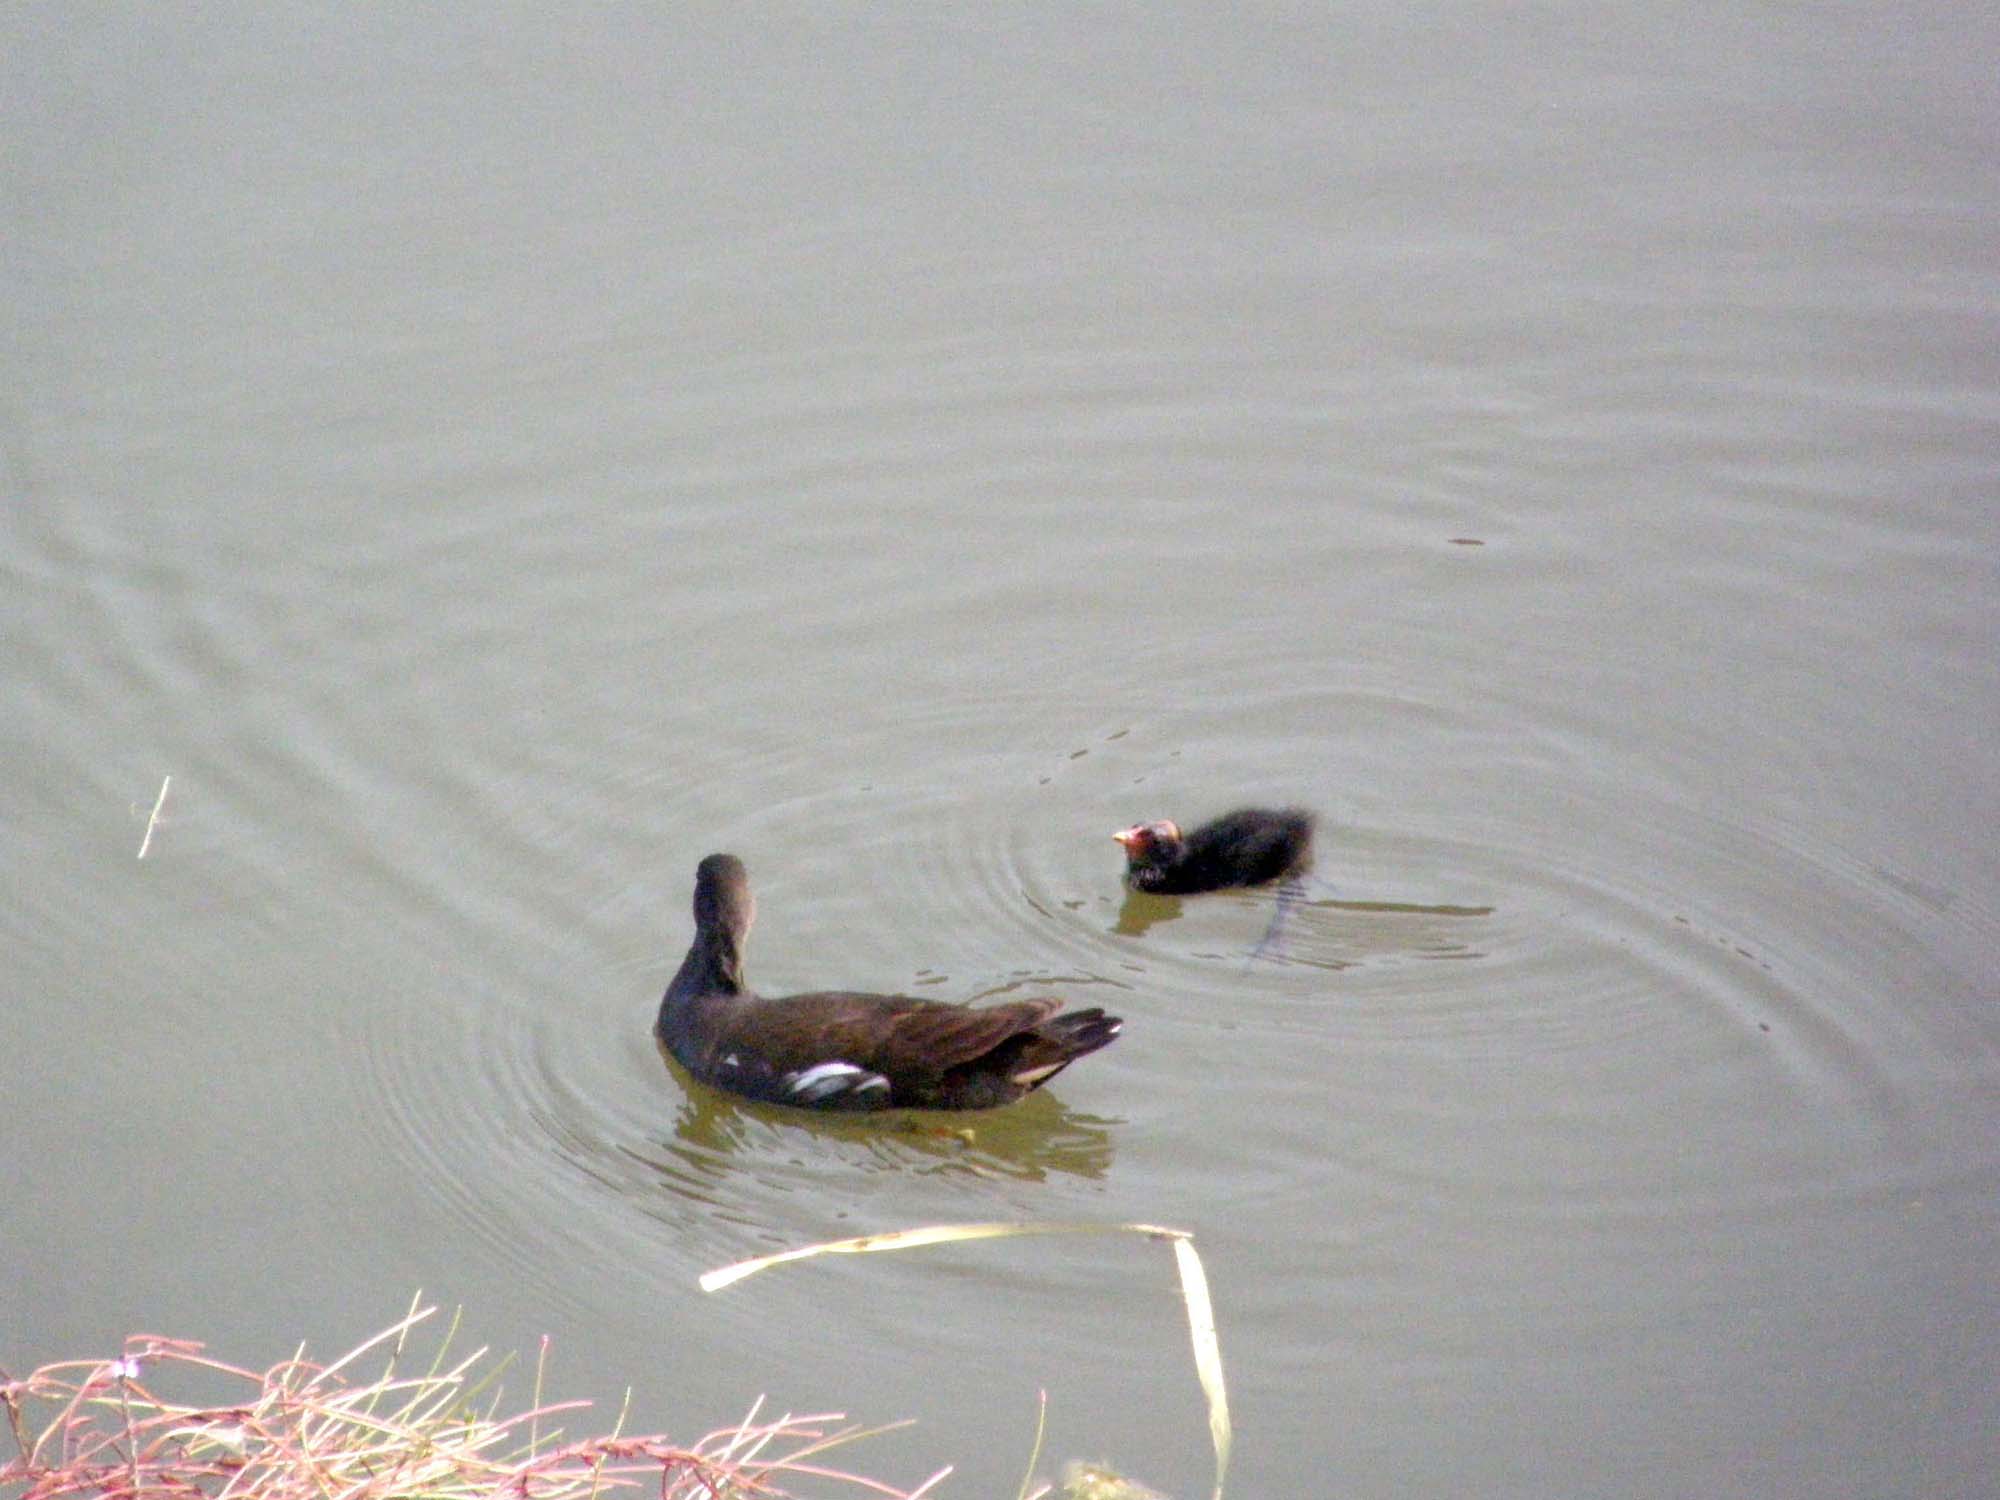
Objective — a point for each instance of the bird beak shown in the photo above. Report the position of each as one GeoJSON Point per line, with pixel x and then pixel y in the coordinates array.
{"type": "Point", "coordinates": [1131, 838]}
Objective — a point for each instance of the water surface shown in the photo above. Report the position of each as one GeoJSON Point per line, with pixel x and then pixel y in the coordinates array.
{"type": "Point", "coordinates": [492, 463]}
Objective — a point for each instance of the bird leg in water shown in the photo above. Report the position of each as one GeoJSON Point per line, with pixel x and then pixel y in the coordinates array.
{"type": "Point", "coordinates": [1291, 892]}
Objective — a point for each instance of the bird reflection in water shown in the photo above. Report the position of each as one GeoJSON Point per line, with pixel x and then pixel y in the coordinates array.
{"type": "Point", "coordinates": [1143, 910]}
{"type": "Point", "coordinates": [1027, 1141]}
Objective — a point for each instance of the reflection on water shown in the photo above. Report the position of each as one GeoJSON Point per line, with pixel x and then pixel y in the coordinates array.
{"type": "Point", "coordinates": [1142, 909]}
{"type": "Point", "coordinates": [1405, 908]}
{"type": "Point", "coordinates": [1025, 1142]}
{"type": "Point", "coordinates": [1294, 935]}
{"type": "Point", "coordinates": [1423, 931]}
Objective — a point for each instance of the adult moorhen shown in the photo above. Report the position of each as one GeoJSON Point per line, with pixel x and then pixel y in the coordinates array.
{"type": "Point", "coordinates": [1251, 846]}
{"type": "Point", "coordinates": [838, 1050]}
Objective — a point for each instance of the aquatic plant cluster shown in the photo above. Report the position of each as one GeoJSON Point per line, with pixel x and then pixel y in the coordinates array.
{"type": "Point", "coordinates": [105, 1429]}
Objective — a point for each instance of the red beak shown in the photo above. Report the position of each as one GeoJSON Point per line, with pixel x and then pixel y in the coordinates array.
{"type": "Point", "coordinates": [1131, 838]}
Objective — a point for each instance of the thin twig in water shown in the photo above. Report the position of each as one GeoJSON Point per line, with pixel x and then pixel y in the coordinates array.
{"type": "Point", "coordinates": [153, 822]}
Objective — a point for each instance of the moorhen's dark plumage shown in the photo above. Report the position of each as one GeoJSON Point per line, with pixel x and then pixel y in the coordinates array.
{"type": "Point", "coordinates": [1251, 846]}
{"type": "Point", "coordinates": [837, 1050]}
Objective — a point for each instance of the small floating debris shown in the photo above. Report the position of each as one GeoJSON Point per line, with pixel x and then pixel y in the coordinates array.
{"type": "Point", "coordinates": [1082, 1481]}
{"type": "Point", "coordinates": [154, 821]}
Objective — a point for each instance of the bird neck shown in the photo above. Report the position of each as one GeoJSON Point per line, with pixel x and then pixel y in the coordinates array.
{"type": "Point", "coordinates": [713, 967]}
{"type": "Point", "coordinates": [714, 963]}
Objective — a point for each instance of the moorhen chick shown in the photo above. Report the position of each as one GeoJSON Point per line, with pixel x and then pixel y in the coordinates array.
{"type": "Point", "coordinates": [845, 1051]}
{"type": "Point", "coordinates": [1251, 846]}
